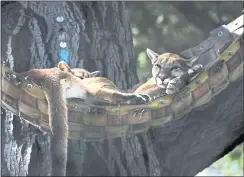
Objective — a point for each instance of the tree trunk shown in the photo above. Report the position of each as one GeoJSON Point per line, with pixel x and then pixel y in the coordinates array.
{"type": "Point", "coordinates": [99, 38]}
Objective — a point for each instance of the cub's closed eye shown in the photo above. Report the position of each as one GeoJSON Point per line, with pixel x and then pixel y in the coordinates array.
{"type": "Point", "coordinates": [158, 66]}
{"type": "Point", "coordinates": [175, 68]}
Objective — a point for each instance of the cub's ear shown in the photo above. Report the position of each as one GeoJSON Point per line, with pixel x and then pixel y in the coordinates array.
{"type": "Point", "coordinates": [152, 55]}
{"type": "Point", "coordinates": [64, 66]}
{"type": "Point", "coordinates": [95, 73]}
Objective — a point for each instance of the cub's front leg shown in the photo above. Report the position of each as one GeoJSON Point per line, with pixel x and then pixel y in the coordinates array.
{"type": "Point", "coordinates": [174, 85]}
{"type": "Point", "coordinates": [138, 98]}
{"type": "Point", "coordinates": [195, 70]}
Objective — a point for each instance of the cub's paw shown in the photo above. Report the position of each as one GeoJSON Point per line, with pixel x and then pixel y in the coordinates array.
{"type": "Point", "coordinates": [145, 97]}
{"type": "Point", "coordinates": [139, 99]}
{"type": "Point", "coordinates": [174, 86]}
{"type": "Point", "coordinates": [196, 69]}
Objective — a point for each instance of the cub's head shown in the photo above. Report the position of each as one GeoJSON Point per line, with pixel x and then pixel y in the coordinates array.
{"type": "Point", "coordinates": [78, 72]}
{"type": "Point", "coordinates": [166, 66]}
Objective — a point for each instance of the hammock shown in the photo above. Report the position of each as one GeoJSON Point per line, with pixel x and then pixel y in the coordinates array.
{"type": "Point", "coordinates": [221, 54]}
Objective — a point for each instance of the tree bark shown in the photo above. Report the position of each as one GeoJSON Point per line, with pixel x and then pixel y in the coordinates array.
{"type": "Point", "coordinates": [100, 39]}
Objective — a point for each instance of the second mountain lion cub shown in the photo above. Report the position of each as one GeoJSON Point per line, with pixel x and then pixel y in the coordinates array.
{"type": "Point", "coordinates": [100, 88]}
{"type": "Point", "coordinates": [170, 73]}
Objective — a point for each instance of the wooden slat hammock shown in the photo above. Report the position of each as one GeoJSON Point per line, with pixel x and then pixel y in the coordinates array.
{"type": "Point", "coordinates": [221, 54]}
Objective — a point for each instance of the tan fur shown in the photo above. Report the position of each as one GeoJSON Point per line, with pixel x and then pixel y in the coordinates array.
{"type": "Point", "coordinates": [168, 57]}
{"type": "Point", "coordinates": [78, 72]}
{"type": "Point", "coordinates": [103, 89]}
{"type": "Point", "coordinates": [62, 83]}
{"type": "Point", "coordinates": [150, 88]}
{"type": "Point", "coordinates": [170, 74]}
{"type": "Point", "coordinates": [50, 80]}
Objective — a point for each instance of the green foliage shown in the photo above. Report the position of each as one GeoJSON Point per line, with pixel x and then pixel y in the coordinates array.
{"type": "Point", "coordinates": [232, 163]}
{"type": "Point", "coordinates": [143, 63]}
{"type": "Point", "coordinates": [174, 26]}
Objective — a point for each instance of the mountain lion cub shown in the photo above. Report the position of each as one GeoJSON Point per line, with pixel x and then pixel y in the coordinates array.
{"type": "Point", "coordinates": [103, 89]}
{"type": "Point", "coordinates": [59, 85]}
{"type": "Point", "coordinates": [170, 73]}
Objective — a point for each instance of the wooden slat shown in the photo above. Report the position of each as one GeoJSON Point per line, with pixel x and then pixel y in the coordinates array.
{"type": "Point", "coordinates": [29, 119]}
{"type": "Point", "coordinates": [28, 99]}
{"type": "Point", "coordinates": [42, 106]}
{"type": "Point", "coordinates": [118, 120]}
{"type": "Point", "coordinates": [217, 89]}
{"type": "Point", "coordinates": [94, 132]}
{"type": "Point", "coordinates": [217, 74]}
{"type": "Point", "coordinates": [116, 131]}
{"type": "Point", "coordinates": [138, 128]}
{"type": "Point", "coordinates": [7, 106]}
{"type": "Point", "coordinates": [75, 135]}
{"type": "Point", "coordinates": [140, 116]}
{"type": "Point", "coordinates": [203, 100]}
{"type": "Point", "coordinates": [10, 89]}
{"type": "Point", "coordinates": [163, 112]}
{"type": "Point", "coordinates": [75, 126]}
{"type": "Point", "coordinates": [75, 117]}
{"type": "Point", "coordinates": [161, 120]}
{"type": "Point", "coordinates": [29, 111]}
{"type": "Point", "coordinates": [182, 105]}
{"type": "Point", "coordinates": [96, 117]}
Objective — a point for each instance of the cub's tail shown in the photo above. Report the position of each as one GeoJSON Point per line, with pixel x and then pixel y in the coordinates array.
{"type": "Point", "coordinates": [58, 114]}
